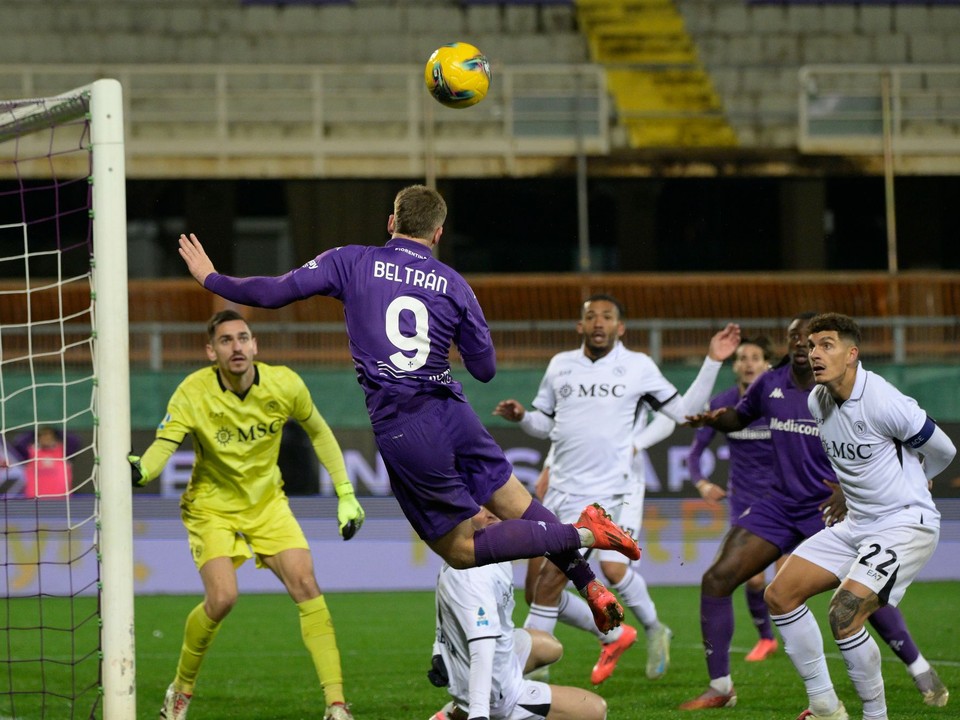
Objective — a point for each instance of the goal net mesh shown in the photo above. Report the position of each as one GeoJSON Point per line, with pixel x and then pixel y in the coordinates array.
{"type": "Point", "coordinates": [49, 569]}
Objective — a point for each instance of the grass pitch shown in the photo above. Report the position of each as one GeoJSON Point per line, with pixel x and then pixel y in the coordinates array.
{"type": "Point", "coordinates": [258, 668]}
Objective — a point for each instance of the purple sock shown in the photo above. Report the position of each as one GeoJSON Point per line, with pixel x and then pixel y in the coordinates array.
{"type": "Point", "coordinates": [716, 626]}
{"type": "Point", "coordinates": [538, 532]}
{"type": "Point", "coordinates": [759, 613]}
{"type": "Point", "coordinates": [570, 562]}
{"type": "Point", "coordinates": [889, 623]}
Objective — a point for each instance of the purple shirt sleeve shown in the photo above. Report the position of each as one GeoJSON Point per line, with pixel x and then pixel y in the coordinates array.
{"type": "Point", "coordinates": [258, 291]}
{"type": "Point", "coordinates": [701, 440]}
{"type": "Point", "coordinates": [473, 341]}
{"type": "Point", "coordinates": [483, 368]}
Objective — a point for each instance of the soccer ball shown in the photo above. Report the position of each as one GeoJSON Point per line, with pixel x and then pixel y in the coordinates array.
{"type": "Point", "coordinates": [457, 75]}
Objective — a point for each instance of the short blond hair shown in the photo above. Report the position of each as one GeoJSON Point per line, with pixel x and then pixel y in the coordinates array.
{"type": "Point", "coordinates": [418, 211]}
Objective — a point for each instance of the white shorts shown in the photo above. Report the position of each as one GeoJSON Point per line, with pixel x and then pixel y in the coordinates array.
{"type": "Point", "coordinates": [522, 645]}
{"type": "Point", "coordinates": [626, 511]}
{"type": "Point", "coordinates": [532, 704]}
{"type": "Point", "coordinates": [886, 555]}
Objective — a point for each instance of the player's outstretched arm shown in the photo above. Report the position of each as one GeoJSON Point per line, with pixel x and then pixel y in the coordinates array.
{"type": "Point", "coordinates": [725, 342]}
{"type": "Point", "coordinates": [510, 410]}
{"type": "Point", "coordinates": [723, 419]}
{"type": "Point", "coordinates": [711, 492]}
{"type": "Point", "coordinates": [350, 514]}
{"type": "Point", "coordinates": [196, 258]}
{"type": "Point", "coordinates": [146, 467]}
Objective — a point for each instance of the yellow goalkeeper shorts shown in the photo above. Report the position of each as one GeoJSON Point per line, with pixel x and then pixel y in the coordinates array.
{"type": "Point", "coordinates": [263, 530]}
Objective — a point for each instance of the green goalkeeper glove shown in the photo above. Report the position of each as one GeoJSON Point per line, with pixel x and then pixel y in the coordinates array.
{"type": "Point", "coordinates": [349, 515]}
{"type": "Point", "coordinates": [138, 475]}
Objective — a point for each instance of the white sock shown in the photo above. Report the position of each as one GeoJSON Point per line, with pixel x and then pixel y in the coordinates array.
{"type": "Point", "coordinates": [542, 617]}
{"type": "Point", "coordinates": [634, 594]}
{"type": "Point", "coordinates": [575, 611]}
{"type": "Point", "coordinates": [918, 666]}
{"type": "Point", "coordinates": [723, 685]}
{"type": "Point", "coordinates": [861, 655]}
{"type": "Point", "coordinates": [803, 644]}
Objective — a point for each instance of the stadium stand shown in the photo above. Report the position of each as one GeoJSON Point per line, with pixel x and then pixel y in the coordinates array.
{"type": "Point", "coordinates": [698, 71]}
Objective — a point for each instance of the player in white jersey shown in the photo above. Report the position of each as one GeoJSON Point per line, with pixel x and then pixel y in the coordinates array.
{"type": "Point", "coordinates": [572, 610]}
{"type": "Point", "coordinates": [588, 404]}
{"type": "Point", "coordinates": [483, 657]}
{"type": "Point", "coordinates": [886, 451]}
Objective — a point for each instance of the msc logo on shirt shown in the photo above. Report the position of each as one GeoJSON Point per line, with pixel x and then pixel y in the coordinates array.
{"type": "Point", "coordinates": [847, 450]}
{"type": "Point", "coordinates": [601, 390]}
{"type": "Point", "coordinates": [224, 436]}
{"type": "Point", "coordinates": [255, 432]}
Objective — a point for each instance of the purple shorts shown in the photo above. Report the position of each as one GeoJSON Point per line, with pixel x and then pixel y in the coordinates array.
{"type": "Point", "coordinates": [781, 521]}
{"type": "Point", "coordinates": [739, 501]}
{"type": "Point", "coordinates": [443, 465]}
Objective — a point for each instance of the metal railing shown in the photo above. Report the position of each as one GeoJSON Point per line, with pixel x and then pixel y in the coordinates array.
{"type": "Point", "coordinates": [333, 120]}
{"type": "Point", "coordinates": [161, 345]}
{"type": "Point", "coordinates": [847, 109]}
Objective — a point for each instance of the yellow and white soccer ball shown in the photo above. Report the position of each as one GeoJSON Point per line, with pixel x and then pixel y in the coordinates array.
{"type": "Point", "coordinates": [457, 75]}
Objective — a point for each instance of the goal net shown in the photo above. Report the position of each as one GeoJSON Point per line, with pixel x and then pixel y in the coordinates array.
{"type": "Point", "coordinates": [66, 571]}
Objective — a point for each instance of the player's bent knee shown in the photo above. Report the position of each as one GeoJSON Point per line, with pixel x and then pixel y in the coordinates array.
{"type": "Point", "coordinates": [595, 707]}
{"type": "Point", "coordinates": [775, 601]}
{"type": "Point", "coordinates": [546, 647]}
{"type": "Point", "coordinates": [218, 606]}
{"type": "Point", "coordinates": [459, 556]}
{"type": "Point", "coordinates": [716, 583]}
{"type": "Point", "coordinates": [457, 551]}
{"type": "Point", "coordinates": [570, 703]}
{"type": "Point", "coordinates": [613, 572]}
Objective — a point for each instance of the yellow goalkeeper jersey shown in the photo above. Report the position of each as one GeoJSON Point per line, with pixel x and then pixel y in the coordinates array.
{"type": "Point", "coordinates": [236, 440]}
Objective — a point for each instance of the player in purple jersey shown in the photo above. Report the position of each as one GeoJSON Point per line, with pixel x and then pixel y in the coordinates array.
{"type": "Point", "coordinates": [403, 310]}
{"type": "Point", "coordinates": [803, 495]}
{"type": "Point", "coordinates": [749, 476]}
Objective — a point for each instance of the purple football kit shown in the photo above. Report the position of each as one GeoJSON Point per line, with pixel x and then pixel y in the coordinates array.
{"type": "Point", "coordinates": [790, 511]}
{"type": "Point", "coordinates": [403, 310]}
{"type": "Point", "coordinates": [751, 457]}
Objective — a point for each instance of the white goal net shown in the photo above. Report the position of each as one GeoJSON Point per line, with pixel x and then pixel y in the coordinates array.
{"type": "Point", "coordinates": [66, 621]}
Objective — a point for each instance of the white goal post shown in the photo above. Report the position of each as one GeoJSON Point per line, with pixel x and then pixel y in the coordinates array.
{"type": "Point", "coordinates": [41, 338]}
{"type": "Point", "coordinates": [113, 370]}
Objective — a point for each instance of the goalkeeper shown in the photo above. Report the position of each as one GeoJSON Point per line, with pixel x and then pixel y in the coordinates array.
{"type": "Point", "coordinates": [234, 507]}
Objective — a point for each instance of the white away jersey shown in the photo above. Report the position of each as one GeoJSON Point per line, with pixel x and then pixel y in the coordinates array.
{"type": "Point", "coordinates": [594, 406]}
{"type": "Point", "coordinates": [872, 441]}
{"type": "Point", "coordinates": [472, 604]}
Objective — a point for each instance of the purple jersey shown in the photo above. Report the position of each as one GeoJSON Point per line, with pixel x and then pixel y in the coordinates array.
{"type": "Point", "coordinates": [751, 456]}
{"type": "Point", "coordinates": [404, 309]}
{"type": "Point", "coordinates": [798, 456]}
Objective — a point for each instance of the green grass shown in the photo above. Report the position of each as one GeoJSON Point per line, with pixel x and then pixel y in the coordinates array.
{"type": "Point", "coordinates": [258, 668]}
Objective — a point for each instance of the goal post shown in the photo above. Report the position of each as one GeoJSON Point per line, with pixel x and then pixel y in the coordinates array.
{"type": "Point", "coordinates": [66, 545]}
{"type": "Point", "coordinates": [112, 353]}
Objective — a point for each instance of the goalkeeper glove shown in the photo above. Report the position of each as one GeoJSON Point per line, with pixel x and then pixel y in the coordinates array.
{"type": "Point", "coordinates": [437, 674]}
{"type": "Point", "coordinates": [138, 476]}
{"type": "Point", "coordinates": [349, 515]}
